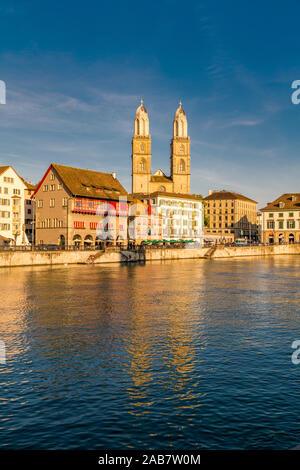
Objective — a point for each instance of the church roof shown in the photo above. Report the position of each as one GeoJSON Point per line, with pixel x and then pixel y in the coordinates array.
{"type": "Point", "coordinates": [179, 110]}
{"type": "Point", "coordinates": [141, 108]}
{"type": "Point", "coordinates": [161, 179]}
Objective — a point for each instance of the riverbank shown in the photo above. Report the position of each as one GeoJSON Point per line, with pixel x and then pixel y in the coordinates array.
{"type": "Point", "coordinates": [39, 258]}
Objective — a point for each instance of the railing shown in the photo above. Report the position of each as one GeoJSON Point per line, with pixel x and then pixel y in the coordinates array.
{"type": "Point", "coordinates": [49, 248]}
{"type": "Point", "coordinates": [132, 247]}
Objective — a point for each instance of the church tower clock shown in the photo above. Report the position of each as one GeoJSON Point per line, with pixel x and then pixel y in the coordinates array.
{"type": "Point", "coordinates": [141, 152]}
{"type": "Point", "coordinates": [180, 153]}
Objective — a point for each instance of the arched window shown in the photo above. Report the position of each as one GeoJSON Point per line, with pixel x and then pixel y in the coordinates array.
{"type": "Point", "coordinates": [177, 129]}
{"type": "Point", "coordinates": [142, 127]}
{"type": "Point", "coordinates": [142, 165]}
{"type": "Point", "coordinates": [138, 126]}
{"type": "Point", "coordinates": [182, 166]}
{"type": "Point", "coordinates": [291, 238]}
{"type": "Point", "coordinates": [182, 128]}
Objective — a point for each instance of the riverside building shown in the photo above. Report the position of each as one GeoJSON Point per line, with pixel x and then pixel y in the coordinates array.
{"type": "Point", "coordinates": [180, 215]}
{"type": "Point", "coordinates": [280, 220]}
{"type": "Point", "coordinates": [12, 207]}
{"type": "Point", "coordinates": [80, 207]}
{"type": "Point", "coordinates": [230, 216]}
{"type": "Point", "coordinates": [144, 222]}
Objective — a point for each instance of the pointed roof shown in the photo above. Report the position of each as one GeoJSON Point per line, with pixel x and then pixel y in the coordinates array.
{"type": "Point", "coordinates": [180, 111]}
{"type": "Point", "coordinates": [141, 109]}
{"type": "Point", "coordinates": [160, 177]}
{"type": "Point", "coordinates": [87, 183]}
{"type": "Point", "coordinates": [6, 167]}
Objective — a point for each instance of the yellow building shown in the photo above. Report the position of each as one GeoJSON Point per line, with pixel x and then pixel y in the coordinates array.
{"type": "Point", "coordinates": [142, 179]}
{"type": "Point", "coordinates": [230, 216]}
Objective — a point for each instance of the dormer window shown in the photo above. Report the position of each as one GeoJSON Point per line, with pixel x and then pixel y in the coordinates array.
{"type": "Point", "coordinates": [293, 198]}
{"type": "Point", "coordinates": [281, 204]}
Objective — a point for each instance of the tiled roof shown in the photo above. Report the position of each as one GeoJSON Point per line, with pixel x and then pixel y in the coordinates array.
{"type": "Point", "coordinates": [160, 179]}
{"type": "Point", "coordinates": [88, 183]}
{"type": "Point", "coordinates": [31, 187]}
{"type": "Point", "coordinates": [4, 168]}
{"type": "Point", "coordinates": [220, 195]}
{"type": "Point", "coordinates": [287, 201]}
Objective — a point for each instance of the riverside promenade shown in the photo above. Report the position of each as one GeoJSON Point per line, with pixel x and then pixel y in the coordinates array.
{"type": "Point", "coordinates": [115, 255]}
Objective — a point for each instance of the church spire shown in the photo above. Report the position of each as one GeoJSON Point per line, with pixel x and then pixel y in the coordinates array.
{"type": "Point", "coordinates": [141, 122]}
{"type": "Point", "coordinates": [141, 152]}
{"type": "Point", "coordinates": [180, 153]}
{"type": "Point", "coordinates": [180, 123]}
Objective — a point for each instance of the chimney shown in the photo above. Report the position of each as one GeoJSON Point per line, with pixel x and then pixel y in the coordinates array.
{"type": "Point", "coordinates": [210, 192]}
{"type": "Point", "coordinates": [114, 175]}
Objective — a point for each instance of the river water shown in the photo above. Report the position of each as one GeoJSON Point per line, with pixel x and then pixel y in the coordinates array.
{"type": "Point", "coordinates": [190, 354]}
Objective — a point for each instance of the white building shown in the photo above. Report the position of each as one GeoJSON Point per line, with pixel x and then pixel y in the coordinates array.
{"type": "Point", "coordinates": [12, 207]}
{"type": "Point", "coordinates": [182, 215]}
{"type": "Point", "coordinates": [281, 219]}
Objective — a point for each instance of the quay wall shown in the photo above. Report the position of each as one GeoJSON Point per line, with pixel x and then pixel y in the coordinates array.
{"type": "Point", "coordinates": [241, 251]}
{"type": "Point", "coordinates": [39, 258]}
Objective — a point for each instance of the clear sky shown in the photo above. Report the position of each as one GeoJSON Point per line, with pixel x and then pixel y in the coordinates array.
{"type": "Point", "coordinates": [75, 73]}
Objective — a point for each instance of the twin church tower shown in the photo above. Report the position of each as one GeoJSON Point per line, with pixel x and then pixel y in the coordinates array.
{"type": "Point", "coordinates": [142, 179]}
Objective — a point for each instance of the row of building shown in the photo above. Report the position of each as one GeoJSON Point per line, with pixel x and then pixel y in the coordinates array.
{"type": "Point", "coordinates": [80, 207]}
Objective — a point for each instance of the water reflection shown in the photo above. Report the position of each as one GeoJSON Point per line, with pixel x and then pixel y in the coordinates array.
{"type": "Point", "coordinates": [188, 353]}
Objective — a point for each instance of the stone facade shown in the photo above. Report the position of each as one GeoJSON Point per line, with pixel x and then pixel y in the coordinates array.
{"type": "Point", "coordinates": [230, 216]}
{"type": "Point", "coordinates": [142, 179]}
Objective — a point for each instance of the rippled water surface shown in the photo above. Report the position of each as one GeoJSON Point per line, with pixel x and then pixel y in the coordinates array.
{"type": "Point", "coordinates": [183, 354]}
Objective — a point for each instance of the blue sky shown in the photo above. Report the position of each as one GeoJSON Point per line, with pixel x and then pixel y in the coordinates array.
{"type": "Point", "coordinates": [75, 73]}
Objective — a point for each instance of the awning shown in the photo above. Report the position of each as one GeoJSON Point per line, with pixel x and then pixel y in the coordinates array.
{"type": "Point", "coordinates": [5, 239]}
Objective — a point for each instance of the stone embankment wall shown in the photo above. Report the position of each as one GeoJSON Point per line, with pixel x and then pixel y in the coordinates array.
{"type": "Point", "coordinates": [39, 258]}
{"type": "Point", "coordinates": [241, 251]}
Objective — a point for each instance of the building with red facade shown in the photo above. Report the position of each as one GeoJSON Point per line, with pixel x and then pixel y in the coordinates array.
{"type": "Point", "coordinates": [77, 207]}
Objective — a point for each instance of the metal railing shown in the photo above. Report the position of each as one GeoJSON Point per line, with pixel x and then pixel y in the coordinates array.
{"type": "Point", "coordinates": [132, 247]}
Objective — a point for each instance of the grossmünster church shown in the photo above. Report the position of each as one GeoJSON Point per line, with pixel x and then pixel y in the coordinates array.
{"type": "Point", "coordinates": [143, 181]}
